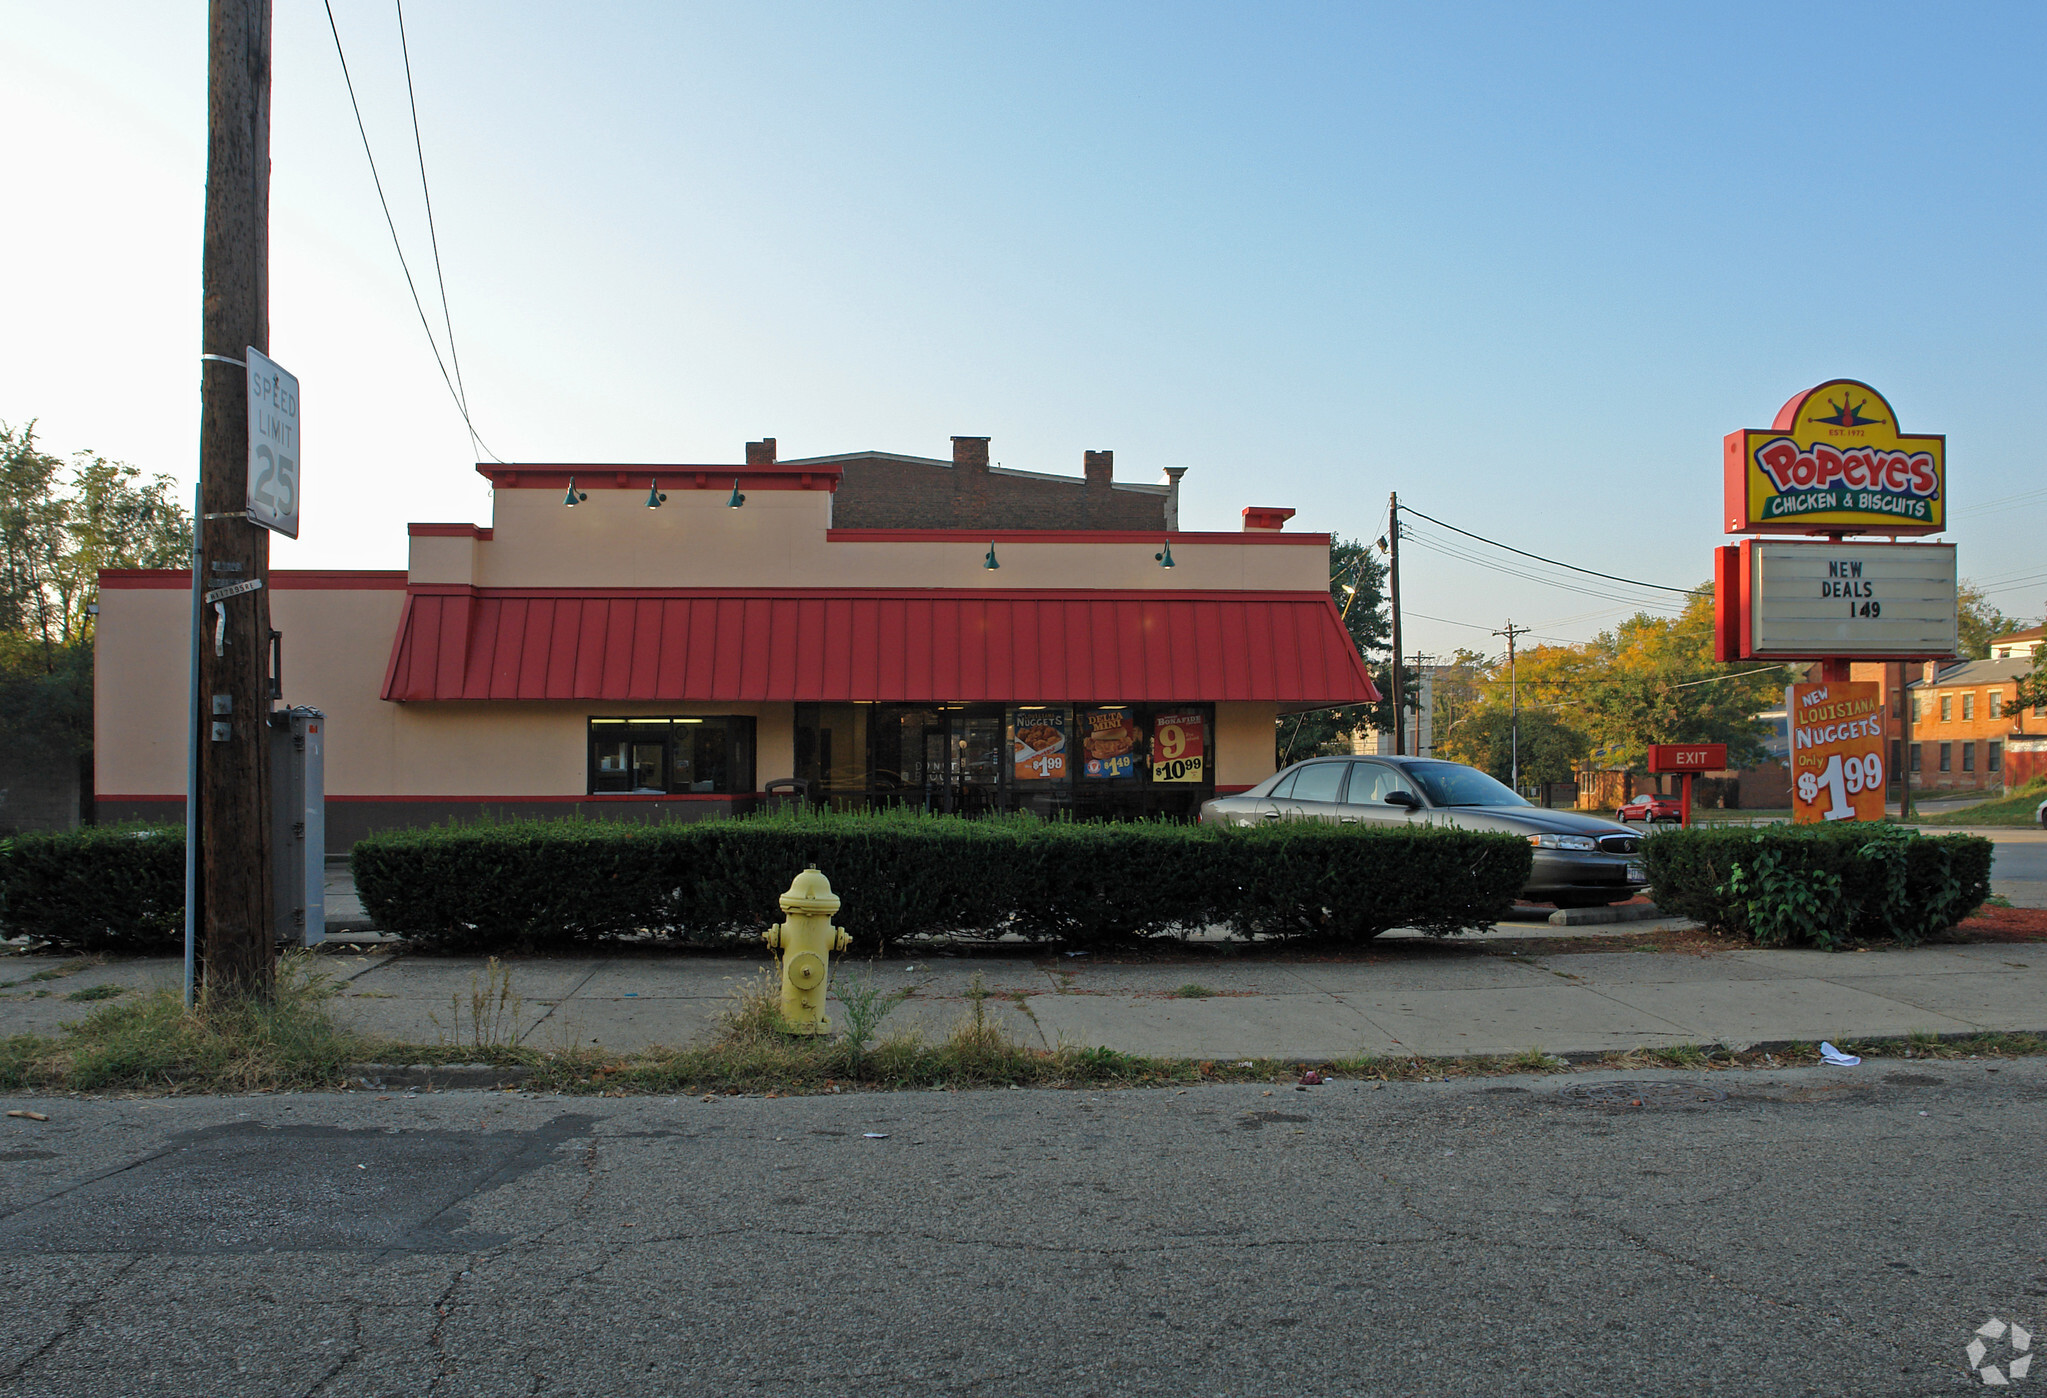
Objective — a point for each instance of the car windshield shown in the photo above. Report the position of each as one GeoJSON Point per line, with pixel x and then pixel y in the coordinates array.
{"type": "Point", "coordinates": [1452, 784]}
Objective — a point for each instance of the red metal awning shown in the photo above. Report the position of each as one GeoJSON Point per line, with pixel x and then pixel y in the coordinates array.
{"type": "Point", "coordinates": [938, 646]}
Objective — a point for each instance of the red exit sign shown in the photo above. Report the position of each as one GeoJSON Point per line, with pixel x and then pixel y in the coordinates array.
{"type": "Point", "coordinates": [1688, 757]}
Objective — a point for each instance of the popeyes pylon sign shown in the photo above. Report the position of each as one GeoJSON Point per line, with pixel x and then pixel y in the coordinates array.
{"type": "Point", "coordinates": [1834, 462]}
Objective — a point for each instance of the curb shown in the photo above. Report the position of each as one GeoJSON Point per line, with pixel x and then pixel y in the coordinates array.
{"type": "Point", "coordinates": [1587, 917]}
{"type": "Point", "coordinates": [431, 1077]}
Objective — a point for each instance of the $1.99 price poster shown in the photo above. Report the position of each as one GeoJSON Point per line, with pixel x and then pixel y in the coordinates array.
{"type": "Point", "coordinates": [1837, 752]}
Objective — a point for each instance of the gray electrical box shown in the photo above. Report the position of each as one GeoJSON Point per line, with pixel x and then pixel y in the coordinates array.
{"type": "Point", "coordinates": [298, 824]}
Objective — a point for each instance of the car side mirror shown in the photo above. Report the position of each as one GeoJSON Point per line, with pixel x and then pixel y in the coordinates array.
{"type": "Point", "coordinates": [1403, 798]}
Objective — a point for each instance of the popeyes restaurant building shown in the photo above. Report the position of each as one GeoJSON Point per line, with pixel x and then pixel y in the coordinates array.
{"type": "Point", "coordinates": [683, 640]}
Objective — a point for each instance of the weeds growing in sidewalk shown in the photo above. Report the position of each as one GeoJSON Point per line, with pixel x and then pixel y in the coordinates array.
{"type": "Point", "coordinates": [864, 1006]}
{"type": "Point", "coordinates": [492, 1009]}
{"type": "Point", "coordinates": [150, 1042]}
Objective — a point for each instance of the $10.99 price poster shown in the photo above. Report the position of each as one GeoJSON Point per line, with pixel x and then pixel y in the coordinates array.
{"type": "Point", "coordinates": [1837, 752]}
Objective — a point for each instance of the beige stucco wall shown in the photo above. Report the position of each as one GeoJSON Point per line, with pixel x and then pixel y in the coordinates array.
{"type": "Point", "coordinates": [336, 644]}
{"type": "Point", "coordinates": [1244, 746]}
{"type": "Point", "coordinates": [778, 540]}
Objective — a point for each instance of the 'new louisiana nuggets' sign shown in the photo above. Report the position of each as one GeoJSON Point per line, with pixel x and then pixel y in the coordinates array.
{"type": "Point", "coordinates": [1835, 463]}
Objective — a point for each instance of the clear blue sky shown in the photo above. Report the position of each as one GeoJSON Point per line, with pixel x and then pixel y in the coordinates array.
{"type": "Point", "coordinates": [1524, 264]}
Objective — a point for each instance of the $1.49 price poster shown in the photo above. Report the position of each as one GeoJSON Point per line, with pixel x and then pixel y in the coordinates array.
{"type": "Point", "coordinates": [1837, 752]}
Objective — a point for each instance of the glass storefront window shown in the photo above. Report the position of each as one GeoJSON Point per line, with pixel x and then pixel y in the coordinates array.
{"type": "Point", "coordinates": [1101, 761]}
{"type": "Point", "coordinates": [671, 756]}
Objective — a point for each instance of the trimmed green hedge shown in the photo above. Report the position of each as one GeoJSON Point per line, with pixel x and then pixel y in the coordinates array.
{"type": "Point", "coordinates": [901, 874]}
{"type": "Point", "coordinates": [1820, 885]}
{"type": "Point", "coordinates": [100, 888]}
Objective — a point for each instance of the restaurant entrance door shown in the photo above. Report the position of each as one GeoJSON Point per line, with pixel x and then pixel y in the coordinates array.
{"type": "Point", "coordinates": [948, 758]}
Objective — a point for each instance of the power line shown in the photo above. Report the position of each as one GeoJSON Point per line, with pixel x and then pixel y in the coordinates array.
{"type": "Point", "coordinates": [1610, 577]}
{"type": "Point", "coordinates": [1450, 550]}
{"type": "Point", "coordinates": [432, 237]}
{"type": "Point", "coordinates": [392, 224]}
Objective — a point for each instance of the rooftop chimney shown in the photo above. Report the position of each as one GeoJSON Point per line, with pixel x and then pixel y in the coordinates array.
{"type": "Point", "coordinates": [1173, 474]}
{"type": "Point", "coordinates": [1098, 466]}
{"type": "Point", "coordinates": [1271, 518]}
{"type": "Point", "coordinates": [971, 452]}
{"type": "Point", "coordinates": [761, 453]}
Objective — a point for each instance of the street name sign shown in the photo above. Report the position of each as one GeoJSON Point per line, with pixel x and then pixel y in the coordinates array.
{"type": "Point", "coordinates": [273, 498]}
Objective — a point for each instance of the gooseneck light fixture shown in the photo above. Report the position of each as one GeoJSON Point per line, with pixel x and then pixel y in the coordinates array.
{"type": "Point", "coordinates": [1165, 555]}
{"type": "Point", "coordinates": [737, 499]}
{"type": "Point", "coordinates": [654, 495]}
{"type": "Point", "coordinates": [991, 563]}
{"type": "Point", "coordinates": [575, 497]}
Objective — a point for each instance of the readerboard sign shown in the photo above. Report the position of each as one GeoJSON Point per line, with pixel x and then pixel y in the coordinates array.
{"type": "Point", "coordinates": [1834, 461]}
{"type": "Point", "coordinates": [1837, 751]}
{"type": "Point", "coordinates": [1858, 601]}
{"type": "Point", "coordinates": [273, 444]}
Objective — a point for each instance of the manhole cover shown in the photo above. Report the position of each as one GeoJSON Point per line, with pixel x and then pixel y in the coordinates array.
{"type": "Point", "coordinates": [1643, 1095]}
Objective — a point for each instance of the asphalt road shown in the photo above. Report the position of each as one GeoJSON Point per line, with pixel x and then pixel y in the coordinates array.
{"type": "Point", "coordinates": [1831, 1231]}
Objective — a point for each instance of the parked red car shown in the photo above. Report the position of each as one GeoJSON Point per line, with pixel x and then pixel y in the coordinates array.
{"type": "Point", "coordinates": [1649, 806]}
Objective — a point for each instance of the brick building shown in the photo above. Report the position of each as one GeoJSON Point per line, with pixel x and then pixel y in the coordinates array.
{"type": "Point", "coordinates": [1966, 721]}
{"type": "Point", "coordinates": [884, 490]}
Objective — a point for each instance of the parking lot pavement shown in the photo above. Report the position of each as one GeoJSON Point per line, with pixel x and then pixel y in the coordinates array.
{"type": "Point", "coordinates": [1428, 997]}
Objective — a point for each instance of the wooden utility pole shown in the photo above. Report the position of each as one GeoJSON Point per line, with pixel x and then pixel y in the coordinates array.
{"type": "Point", "coordinates": [1393, 596]}
{"type": "Point", "coordinates": [235, 906]}
{"type": "Point", "coordinates": [1514, 699]}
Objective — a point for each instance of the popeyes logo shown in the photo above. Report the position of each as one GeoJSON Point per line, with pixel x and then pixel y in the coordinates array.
{"type": "Point", "coordinates": [1834, 462]}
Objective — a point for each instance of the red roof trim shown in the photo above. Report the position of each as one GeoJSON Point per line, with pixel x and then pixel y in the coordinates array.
{"type": "Point", "coordinates": [772, 475]}
{"type": "Point", "coordinates": [1062, 536]}
{"type": "Point", "coordinates": [451, 531]}
{"type": "Point", "coordinates": [1073, 594]}
{"type": "Point", "coordinates": [881, 645]}
{"type": "Point", "coordinates": [282, 580]}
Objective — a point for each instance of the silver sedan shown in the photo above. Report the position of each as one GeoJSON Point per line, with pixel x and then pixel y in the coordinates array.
{"type": "Point", "coordinates": [1580, 861]}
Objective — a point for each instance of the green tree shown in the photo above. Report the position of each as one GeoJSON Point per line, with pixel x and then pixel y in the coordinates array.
{"type": "Point", "coordinates": [1654, 680]}
{"type": "Point", "coordinates": [1550, 745]}
{"type": "Point", "coordinates": [59, 526]}
{"type": "Point", "coordinates": [1650, 680]}
{"type": "Point", "coordinates": [1357, 584]}
{"type": "Point", "coordinates": [1457, 692]}
{"type": "Point", "coordinates": [2033, 685]}
{"type": "Point", "coordinates": [1980, 623]}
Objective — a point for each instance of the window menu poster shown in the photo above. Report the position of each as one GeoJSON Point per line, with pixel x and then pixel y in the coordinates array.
{"type": "Point", "coordinates": [1109, 741]}
{"type": "Point", "coordinates": [1179, 751]}
{"type": "Point", "coordinates": [1038, 745]}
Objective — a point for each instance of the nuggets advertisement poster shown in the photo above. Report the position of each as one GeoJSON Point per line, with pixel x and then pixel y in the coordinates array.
{"type": "Point", "coordinates": [1837, 752]}
{"type": "Point", "coordinates": [1038, 745]}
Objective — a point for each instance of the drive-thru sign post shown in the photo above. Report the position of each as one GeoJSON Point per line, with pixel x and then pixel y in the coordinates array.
{"type": "Point", "coordinates": [1690, 759]}
{"type": "Point", "coordinates": [1834, 464]}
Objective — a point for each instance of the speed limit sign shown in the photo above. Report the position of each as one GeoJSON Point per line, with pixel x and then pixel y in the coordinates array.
{"type": "Point", "coordinates": [273, 444]}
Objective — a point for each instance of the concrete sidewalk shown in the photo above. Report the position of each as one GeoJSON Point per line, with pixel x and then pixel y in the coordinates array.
{"type": "Point", "coordinates": [1397, 996]}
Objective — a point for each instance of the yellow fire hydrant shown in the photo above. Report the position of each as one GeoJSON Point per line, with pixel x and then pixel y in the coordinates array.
{"type": "Point", "coordinates": [804, 945]}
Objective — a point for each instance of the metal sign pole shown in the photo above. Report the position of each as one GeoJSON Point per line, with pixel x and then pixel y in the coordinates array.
{"type": "Point", "coordinates": [192, 754]}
